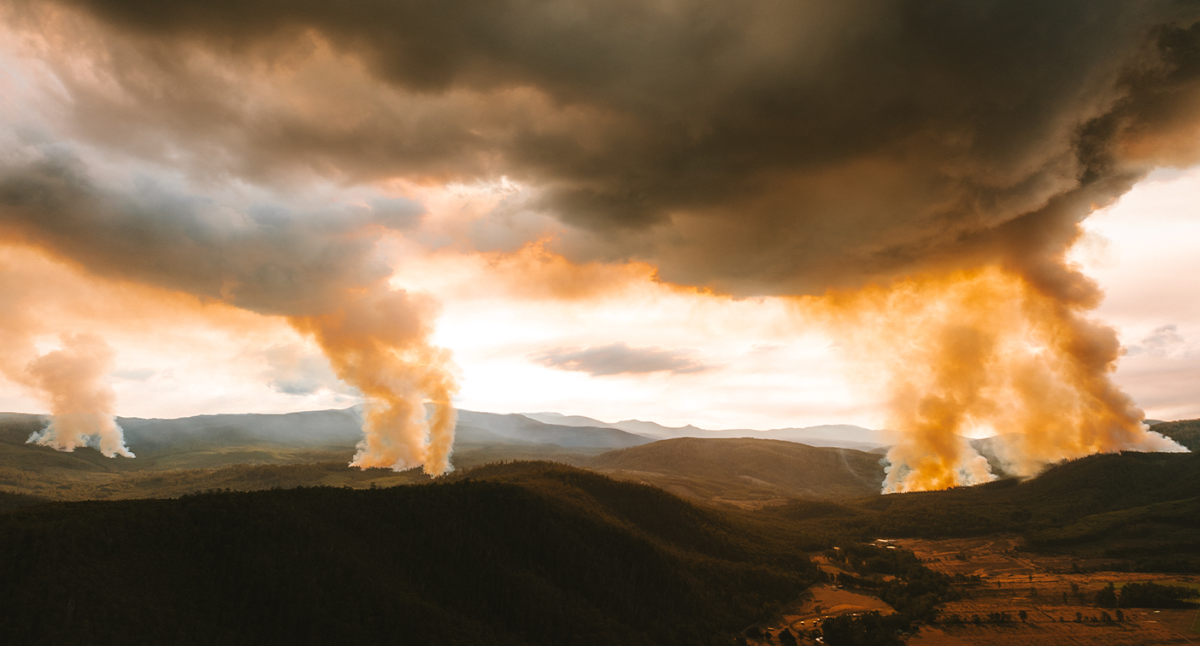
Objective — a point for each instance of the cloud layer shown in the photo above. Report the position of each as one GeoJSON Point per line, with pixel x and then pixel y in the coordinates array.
{"type": "Point", "coordinates": [620, 359]}
{"type": "Point", "coordinates": [781, 148]}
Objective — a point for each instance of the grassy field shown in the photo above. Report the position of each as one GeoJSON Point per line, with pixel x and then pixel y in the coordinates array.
{"type": "Point", "coordinates": [1048, 590]}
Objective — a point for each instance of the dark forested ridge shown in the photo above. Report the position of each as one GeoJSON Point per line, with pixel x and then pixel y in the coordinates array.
{"type": "Point", "coordinates": [514, 554]}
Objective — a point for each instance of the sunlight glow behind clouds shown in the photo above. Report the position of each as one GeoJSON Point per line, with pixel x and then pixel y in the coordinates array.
{"type": "Point", "coordinates": [768, 371]}
{"type": "Point", "coordinates": [1150, 270]}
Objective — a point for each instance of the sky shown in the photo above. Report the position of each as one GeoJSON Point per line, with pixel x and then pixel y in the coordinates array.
{"type": "Point", "coordinates": [943, 218]}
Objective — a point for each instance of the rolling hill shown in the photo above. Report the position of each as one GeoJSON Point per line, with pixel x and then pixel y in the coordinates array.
{"type": "Point", "coordinates": [837, 435]}
{"type": "Point", "coordinates": [178, 456]}
{"type": "Point", "coordinates": [745, 472]}
{"type": "Point", "coordinates": [512, 555]}
{"type": "Point", "coordinates": [1186, 432]}
{"type": "Point", "coordinates": [1139, 506]}
{"type": "Point", "coordinates": [313, 448]}
{"type": "Point", "coordinates": [525, 430]}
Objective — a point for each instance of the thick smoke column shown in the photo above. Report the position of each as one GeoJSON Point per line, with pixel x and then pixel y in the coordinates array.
{"type": "Point", "coordinates": [81, 401]}
{"type": "Point", "coordinates": [378, 342]}
{"type": "Point", "coordinates": [985, 349]}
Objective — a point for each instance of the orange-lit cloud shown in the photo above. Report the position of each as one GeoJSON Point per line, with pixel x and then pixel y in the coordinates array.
{"type": "Point", "coordinates": [619, 358]}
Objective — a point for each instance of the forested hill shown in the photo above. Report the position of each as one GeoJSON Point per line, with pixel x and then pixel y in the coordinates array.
{"type": "Point", "coordinates": [513, 554]}
{"type": "Point", "coordinates": [746, 468]}
{"type": "Point", "coordinates": [1142, 506]}
{"type": "Point", "coordinates": [1186, 432]}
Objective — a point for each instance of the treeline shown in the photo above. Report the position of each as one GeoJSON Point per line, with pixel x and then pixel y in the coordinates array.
{"type": "Point", "coordinates": [552, 556]}
{"type": "Point", "coordinates": [900, 580]}
{"type": "Point", "coordinates": [1146, 595]}
{"type": "Point", "coordinates": [1186, 432]}
{"type": "Point", "coordinates": [11, 501]}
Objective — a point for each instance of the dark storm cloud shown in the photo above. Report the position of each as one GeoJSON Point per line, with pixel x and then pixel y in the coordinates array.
{"type": "Point", "coordinates": [620, 358]}
{"type": "Point", "coordinates": [266, 257]}
{"type": "Point", "coordinates": [766, 147]}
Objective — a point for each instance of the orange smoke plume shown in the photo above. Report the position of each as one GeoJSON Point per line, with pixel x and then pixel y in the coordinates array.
{"type": "Point", "coordinates": [71, 379]}
{"type": "Point", "coordinates": [985, 349]}
{"type": "Point", "coordinates": [379, 343]}
{"type": "Point", "coordinates": [82, 403]}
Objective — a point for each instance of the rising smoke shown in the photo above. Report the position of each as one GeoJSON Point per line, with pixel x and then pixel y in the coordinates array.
{"type": "Point", "coordinates": [81, 402]}
{"type": "Point", "coordinates": [70, 380]}
{"type": "Point", "coordinates": [917, 168]}
{"type": "Point", "coordinates": [377, 343]}
{"type": "Point", "coordinates": [985, 350]}
{"type": "Point", "coordinates": [318, 269]}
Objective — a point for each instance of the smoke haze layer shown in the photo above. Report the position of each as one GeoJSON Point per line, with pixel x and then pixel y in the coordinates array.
{"type": "Point", "coordinates": [914, 160]}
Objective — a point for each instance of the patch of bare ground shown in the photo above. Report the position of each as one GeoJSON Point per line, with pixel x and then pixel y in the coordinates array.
{"type": "Point", "coordinates": [816, 604]}
{"type": "Point", "coordinates": [1055, 593]}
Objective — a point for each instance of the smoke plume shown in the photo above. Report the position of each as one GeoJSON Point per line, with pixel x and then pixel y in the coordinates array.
{"type": "Point", "coordinates": [985, 350]}
{"type": "Point", "coordinates": [377, 342]}
{"type": "Point", "coordinates": [81, 401]}
{"type": "Point", "coordinates": [71, 380]}
{"type": "Point", "coordinates": [317, 268]}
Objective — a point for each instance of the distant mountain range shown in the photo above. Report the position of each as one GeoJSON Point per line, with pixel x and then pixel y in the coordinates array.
{"type": "Point", "coordinates": [837, 435]}
{"type": "Point", "coordinates": [333, 429]}
{"type": "Point", "coordinates": [476, 427]}
{"type": "Point", "coordinates": [743, 468]}
{"type": "Point", "coordinates": [718, 466]}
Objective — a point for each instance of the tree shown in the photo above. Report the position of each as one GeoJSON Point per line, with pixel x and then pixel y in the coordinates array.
{"type": "Point", "coordinates": [1107, 597]}
{"type": "Point", "coordinates": [1023, 615]}
{"type": "Point", "coordinates": [1154, 595]}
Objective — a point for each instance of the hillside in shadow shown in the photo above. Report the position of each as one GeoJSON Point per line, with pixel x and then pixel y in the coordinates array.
{"type": "Point", "coordinates": [512, 554]}
{"type": "Point", "coordinates": [1144, 507]}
